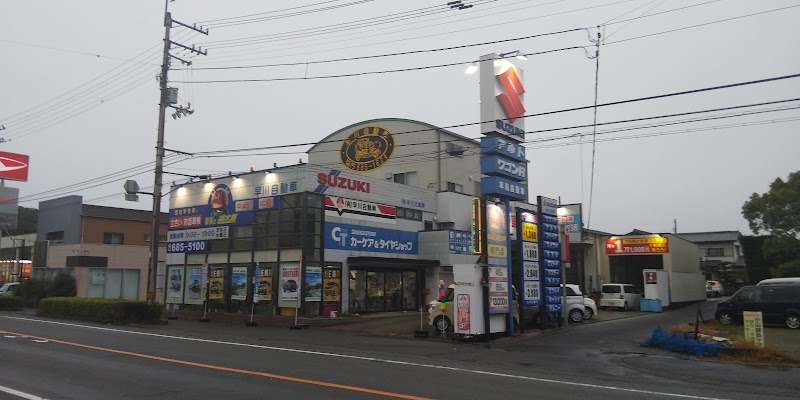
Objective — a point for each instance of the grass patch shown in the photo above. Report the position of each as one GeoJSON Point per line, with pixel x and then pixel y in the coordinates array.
{"type": "Point", "coordinates": [740, 351]}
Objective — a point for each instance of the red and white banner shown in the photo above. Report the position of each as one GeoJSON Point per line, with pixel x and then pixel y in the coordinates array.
{"type": "Point", "coordinates": [358, 209]}
{"type": "Point", "coordinates": [13, 166]}
{"type": "Point", "coordinates": [462, 308]}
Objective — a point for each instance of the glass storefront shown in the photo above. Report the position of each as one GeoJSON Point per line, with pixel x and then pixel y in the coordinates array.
{"type": "Point", "coordinates": [372, 291]}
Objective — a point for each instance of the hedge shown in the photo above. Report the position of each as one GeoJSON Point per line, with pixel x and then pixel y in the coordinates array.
{"type": "Point", "coordinates": [11, 303]}
{"type": "Point", "coordinates": [107, 311]}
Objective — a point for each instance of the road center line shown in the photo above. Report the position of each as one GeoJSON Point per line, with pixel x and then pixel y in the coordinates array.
{"type": "Point", "coordinates": [377, 360]}
{"type": "Point", "coordinates": [228, 369]}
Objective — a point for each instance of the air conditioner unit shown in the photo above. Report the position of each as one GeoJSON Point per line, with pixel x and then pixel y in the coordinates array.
{"type": "Point", "coordinates": [389, 176]}
{"type": "Point", "coordinates": [454, 149]}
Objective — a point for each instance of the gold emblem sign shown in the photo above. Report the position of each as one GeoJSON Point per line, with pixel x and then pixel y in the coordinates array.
{"type": "Point", "coordinates": [367, 148]}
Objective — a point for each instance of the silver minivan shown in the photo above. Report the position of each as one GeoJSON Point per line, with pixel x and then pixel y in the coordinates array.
{"type": "Point", "coordinates": [620, 295]}
{"type": "Point", "coordinates": [8, 288]}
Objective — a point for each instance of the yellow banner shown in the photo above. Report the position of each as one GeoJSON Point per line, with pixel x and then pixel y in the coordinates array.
{"type": "Point", "coordinates": [653, 240]}
{"type": "Point", "coordinates": [530, 232]}
{"type": "Point", "coordinates": [754, 328]}
{"type": "Point", "coordinates": [496, 250]}
{"type": "Point", "coordinates": [265, 283]}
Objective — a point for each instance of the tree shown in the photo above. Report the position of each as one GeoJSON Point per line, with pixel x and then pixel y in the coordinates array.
{"type": "Point", "coordinates": [758, 267]}
{"type": "Point", "coordinates": [777, 211]}
{"type": "Point", "coordinates": [788, 269]}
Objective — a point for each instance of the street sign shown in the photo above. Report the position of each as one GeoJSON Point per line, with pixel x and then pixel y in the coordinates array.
{"type": "Point", "coordinates": [131, 187]}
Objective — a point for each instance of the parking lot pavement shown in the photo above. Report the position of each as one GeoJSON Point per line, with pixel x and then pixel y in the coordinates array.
{"type": "Point", "coordinates": [610, 315]}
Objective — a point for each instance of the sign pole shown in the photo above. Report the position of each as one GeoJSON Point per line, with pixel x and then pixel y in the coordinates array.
{"type": "Point", "coordinates": [255, 296]}
{"type": "Point", "coordinates": [207, 285]}
{"type": "Point", "coordinates": [300, 293]}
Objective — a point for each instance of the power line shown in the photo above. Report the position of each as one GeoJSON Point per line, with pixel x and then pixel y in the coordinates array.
{"type": "Point", "coordinates": [219, 25]}
{"type": "Point", "coordinates": [703, 24]}
{"type": "Point", "coordinates": [265, 13]}
{"type": "Point", "coordinates": [394, 54]}
{"type": "Point", "coordinates": [634, 20]}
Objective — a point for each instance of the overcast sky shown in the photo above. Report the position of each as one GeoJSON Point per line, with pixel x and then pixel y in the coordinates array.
{"type": "Point", "coordinates": [80, 93]}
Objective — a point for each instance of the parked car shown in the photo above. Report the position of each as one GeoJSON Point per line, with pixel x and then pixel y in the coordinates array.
{"type": "Point", "coordinates": [620, 295]}
{"type": "Point", "coordinates": [778, 303]}
{"type": "Point", "coordinates": [589, 306]}
{"type": "Point", "coordinates": [9, 288]}
{"type": "Point", "coordinates": [776, 281]}
{"type": "Point", "coordinates": [579, 307]}
{"type": "Point", "coordinates": [443, 322]}
{"type": "Point", "coordinates": [713, 289]}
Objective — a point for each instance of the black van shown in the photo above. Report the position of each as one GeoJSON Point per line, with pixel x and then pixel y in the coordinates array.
{"type": "Point", "coordinates": [779, 304]}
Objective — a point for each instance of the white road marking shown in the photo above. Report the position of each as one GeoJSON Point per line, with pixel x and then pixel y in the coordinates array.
{"type": "Point", "coordinates": [20, 394]}
{"type": "Point", "coordinates": [10, 336]}
{"type": "Point", "coordinates": [39, 341]}
{"type": "Point", "coordinates": [377, 360]}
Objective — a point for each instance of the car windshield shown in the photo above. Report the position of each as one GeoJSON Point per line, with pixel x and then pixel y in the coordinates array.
{"type": "Point", "coordinates": [611, 289]}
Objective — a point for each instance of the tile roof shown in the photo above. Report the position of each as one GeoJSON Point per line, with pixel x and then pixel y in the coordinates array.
{"type": "Point", "coordinates": [720, 236]}
{"type": "Point", "coordinates": [126, 214]}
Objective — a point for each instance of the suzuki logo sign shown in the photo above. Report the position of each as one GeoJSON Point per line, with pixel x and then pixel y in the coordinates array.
{"type": "Point", "coordinates": [13, 166]}
{"type": "Point", "coordinates": [510, 100]}
{"type": "Point", "coordinates": [502, 98]}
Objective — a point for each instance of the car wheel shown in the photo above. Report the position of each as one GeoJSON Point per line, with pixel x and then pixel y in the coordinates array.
{"type": "Point", "coordinates": [442, 324]}
{"type": "Point", "coordinates": [793, 321]}
{"type": "Point", "coordinates": [725, 318]}
{"type": "Point", "coordinates": [624, 307]}
{"type": "Point", "coordinates": [589, 313]}
{"type": "Point", "coordinates": [576, 315]}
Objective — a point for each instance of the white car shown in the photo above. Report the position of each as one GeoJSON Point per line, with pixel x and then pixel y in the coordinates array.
{"type": "Point", "coordinates": [8, 288]}
{"type": "Point", "coordinates": [579, 307]}
{"type": "Point", "coordinates": [620, 295]}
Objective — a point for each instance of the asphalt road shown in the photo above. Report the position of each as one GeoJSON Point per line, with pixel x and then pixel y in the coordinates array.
{"type": "Point", "coordinates": [190, 360]}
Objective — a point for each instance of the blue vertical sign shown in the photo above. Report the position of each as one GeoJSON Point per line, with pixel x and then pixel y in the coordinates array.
{"type": "Point", "coordinates": [530, 269]}
{"type": "Point", "coordinates": [550, 254]}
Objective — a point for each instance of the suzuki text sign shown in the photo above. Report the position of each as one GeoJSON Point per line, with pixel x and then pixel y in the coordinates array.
{"type": "Point", "coordinates": [502, 98]}
{"type": "Point", "coordinates": [13, 166]}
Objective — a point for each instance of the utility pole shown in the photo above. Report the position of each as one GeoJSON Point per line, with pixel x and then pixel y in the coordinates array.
{"type": "Point", "coordinates": [159, 169]}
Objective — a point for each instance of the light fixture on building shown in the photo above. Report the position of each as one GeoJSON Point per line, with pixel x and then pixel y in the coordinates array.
{"type": "Point", "coordinates": [471, 69]}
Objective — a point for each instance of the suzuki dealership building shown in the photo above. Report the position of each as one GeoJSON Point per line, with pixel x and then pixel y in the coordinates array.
{"type": "Point", "coordinates": [377, 215]}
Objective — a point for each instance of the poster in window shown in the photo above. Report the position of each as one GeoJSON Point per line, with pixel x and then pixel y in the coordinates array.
{"type": "Point", "coordinates": [333, 285]}
{"type": "Point", "coordinates": [290, 277]}
{"type": "Point", "coordinates": [194, 286]}
{"type": "Point", "coordinates": [313, 284]}
{"type": "Point", "coordinates": [216, 283]}
{"type": "Point", "coordinates": [239, 283]}
{"type": "Point", "coordinates": [176, 282]}
{"type": "Point", "coordinates": [98, 277]}
{"type": "Point", "coordinates": [264, 283]}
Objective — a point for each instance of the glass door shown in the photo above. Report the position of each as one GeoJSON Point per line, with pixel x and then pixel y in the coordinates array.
{"type": "Point", "coordinates": [394, 291]}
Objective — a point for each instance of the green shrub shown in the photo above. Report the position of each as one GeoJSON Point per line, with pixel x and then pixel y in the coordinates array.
{"type": "Point", "coordinates": [107, 311]}
{"type": "Point", "coordinates": [12, 303]}
{"type": "Point", "coordinates": [30, 291]}
{"type": "Point", "coordinates": [62, 285]}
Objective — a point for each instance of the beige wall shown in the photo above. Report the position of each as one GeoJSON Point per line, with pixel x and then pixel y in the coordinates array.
{"type": "Point", "coordinates": [119, 257]}
{"type": "Point", "coordinates": [134, 231]}
{"type": "Point", "coordinates": [414, 152]}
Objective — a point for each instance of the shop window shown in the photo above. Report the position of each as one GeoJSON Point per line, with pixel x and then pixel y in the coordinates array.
{"type": "Point", "coordinates": [314, 254]}
{"type": "Point", "coordinates": [290, 240]}
{"type": "Point", "coordinates": [242, 244]}
{"type": "Point", "coordinates": [267, 229]}
{"type": "Point", "coordinates": [291, 214]}
{"type": "Point", "coordinates": [57, 236]}
{"type": "Point", "coordinates": [407, 213]}
{"type": "Point", "coordinates": [241, 231]}
{"type": "Point", "coordinates": [266, 243]}
{"type": "Point", "coordinates": [455, 187]}
{"type": "Point", "coordinates": [218, 245]}
{"type": "Point", "coordinates": [313, 241]}
{"type": "Point", "coordinates": [315, 201]}
{"type": "Point", "coordinates": [406, 178]}
{"type": "Point", "coordinates": [715, 252]}
{"type": "Point", "coordinates": [428, 225]}
{"type": "Point", "coordinates": [161, 238]}
{"type": "Point", "coordinates": [291, 201]}
{"type": "Point", "coordinates": [113, 238]}
{"type": "Point", "coordinates": [263, 217]}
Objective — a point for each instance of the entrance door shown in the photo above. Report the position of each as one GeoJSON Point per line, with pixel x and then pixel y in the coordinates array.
{"type": "Point", "coordinates": [394, 291]}
{"type": "Point", "coordinates": [375, 291]}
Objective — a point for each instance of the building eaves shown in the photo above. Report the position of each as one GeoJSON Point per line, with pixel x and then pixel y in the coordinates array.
{"type": "Point", "coordinates": [123, 214]}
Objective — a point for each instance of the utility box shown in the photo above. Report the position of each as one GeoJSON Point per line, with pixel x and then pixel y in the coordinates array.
{"type": "Point", "coordinates": [468, 300]}
{"type": "Point", "coordinates": [656, 287]}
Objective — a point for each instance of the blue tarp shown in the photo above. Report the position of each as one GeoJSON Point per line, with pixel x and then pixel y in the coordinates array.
{"type": "Point", "coordinates": [681, 342]}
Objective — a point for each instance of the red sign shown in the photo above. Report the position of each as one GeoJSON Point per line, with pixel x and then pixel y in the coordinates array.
{"type": "Point", "coordinates": [462, 308]}
{"type": "Point", "coordinates": [189, 221]}
{"type": "Point", "coordinates": [513, 88]}
{"type": "Point", "coordinates": [651, 245]}
{"type": "Point", "coordinates": [336, 181]}
{"type": "Point", "coordinates": [13, 166]}
{"type": "Point", "coordinates": [650, 277]}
